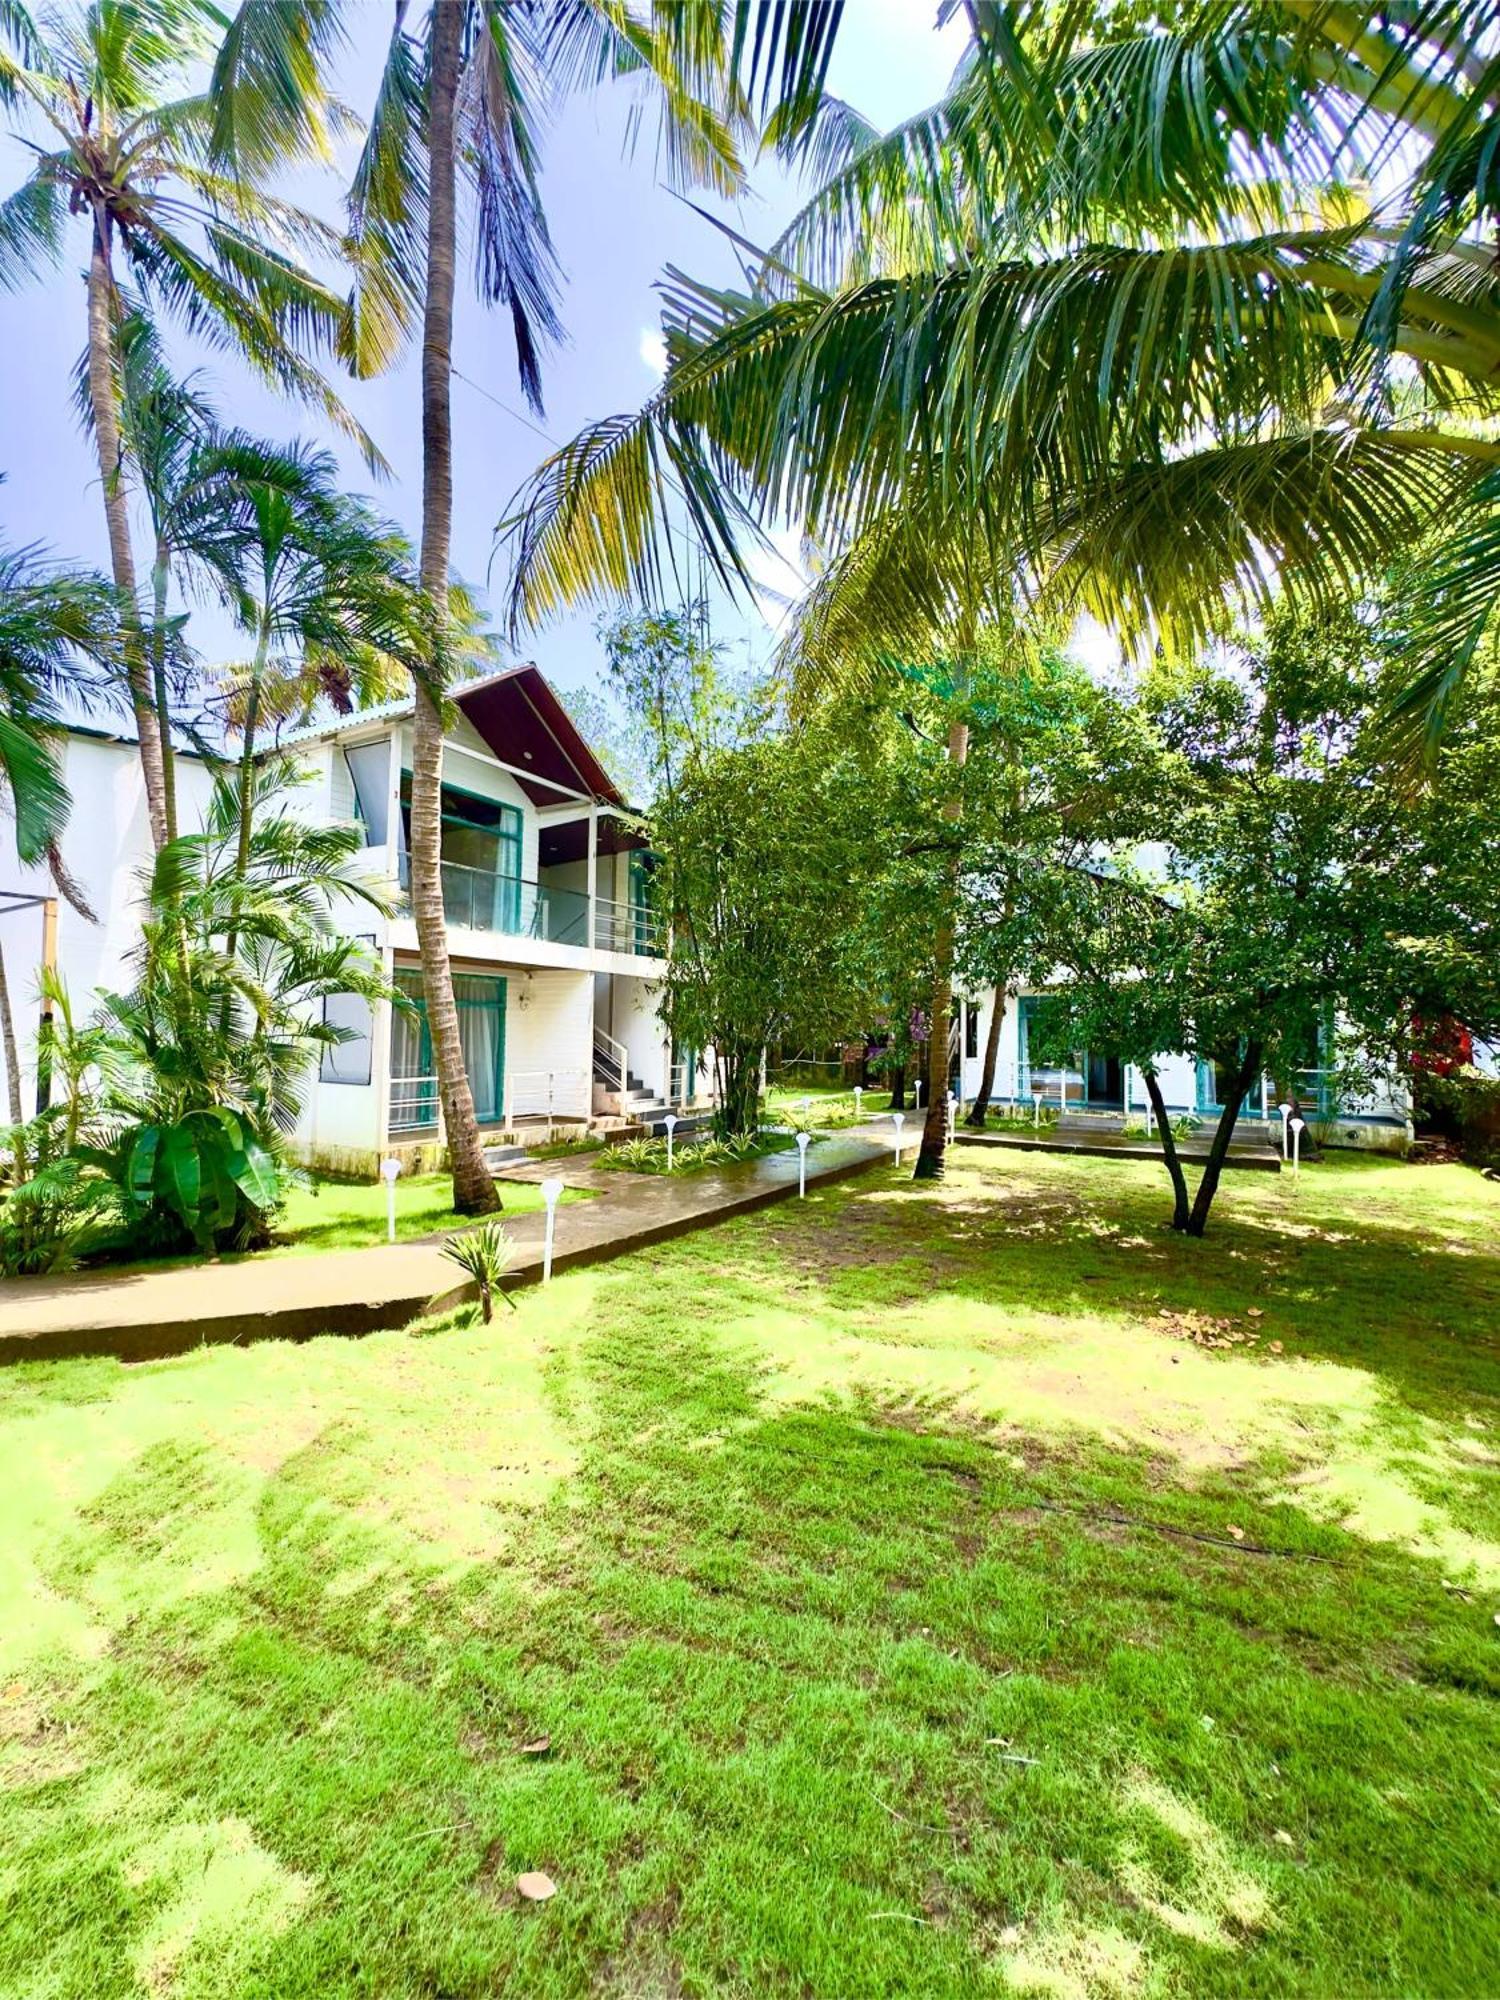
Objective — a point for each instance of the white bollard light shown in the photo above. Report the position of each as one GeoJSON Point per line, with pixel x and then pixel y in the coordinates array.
{"type": "Point", "coordinates": [1036, 1109]}
{"type": "Point", "coordinates": [1298, 1125]}
{"type": "Point", "coordinates": [1286, 1112]}
{"type": "Point", "coordinates": [858, 1095]}
{"type": "Point", "coordinates": [917, 1093]}
{"type": "Point", "coordinates": [802, 1138]}
{"type": "Point", "coordinates": [670, 1121]}
{"type": "Point", "coordinates": [552, 1195]}
{"type": "Point", "coordinates": [898, 1121]}
{"type": "Point", "coordinates": [389, 1172]}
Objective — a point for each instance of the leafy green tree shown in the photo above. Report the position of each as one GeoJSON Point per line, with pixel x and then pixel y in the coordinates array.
{"type": "Point", "coordinates": [761, 837]}
{"type": "Point", "coordinates": [107, 98]}
{"type": "Point", "coordinates": [1313, 912]}
{"type": "Point", "coordinates": [1063, 770]}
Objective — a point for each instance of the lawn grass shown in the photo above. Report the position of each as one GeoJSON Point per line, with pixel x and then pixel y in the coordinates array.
{"type": "Point", "coordinates": [827, 1104]}
{"type": "Point", "coordinates": [914, 1602]}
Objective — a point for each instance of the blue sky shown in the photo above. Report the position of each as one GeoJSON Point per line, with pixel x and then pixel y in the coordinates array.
{"type": "Point", "coordinates": [614, 226]}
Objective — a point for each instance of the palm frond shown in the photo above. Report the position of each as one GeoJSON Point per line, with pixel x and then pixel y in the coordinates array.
{"type": "Point", "coordinates": [31, 231]}
{"type": "Point", "coordinates": [268, 90]}
{"type": "Point", "coordinates": [1181, 548]}
{"type": "Point", "coordinates": [388, 211]}
{"type": "Point", "coordinates": [515, 265]}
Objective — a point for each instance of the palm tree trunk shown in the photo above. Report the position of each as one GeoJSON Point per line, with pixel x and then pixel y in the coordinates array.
{"type": "Point", "coordinates": [117, 521]}
{"type": "Point", "coordinates": [979, 1109]}
{"type": "Point", "coordinates": [473, 1188]}
{"type": "Point", "coordinates": [8, 1042]}
{"type": "Point", "coordinates": [934, 1146]}
{"type": "Point", "coordinates": [160, 578]}
{"type": "Point", "coordinates": [247, 757]}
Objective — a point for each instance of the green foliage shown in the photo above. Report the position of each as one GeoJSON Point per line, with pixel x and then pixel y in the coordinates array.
{"type": "Point", "coordinates": [1111, 314]}
{"type": "Point", "coordinates": [691, 1155]}
{"type": "Point", "coordinates": [486, 1254]}
{"type": "Point", "coordinates": [53, 1203]}
{"type": "Point", "coordinates": [758, 830]}
{"type": "Point", "coordinates": [206, 1175]}
{"type": "Point", "coordinates": [202, 1062]}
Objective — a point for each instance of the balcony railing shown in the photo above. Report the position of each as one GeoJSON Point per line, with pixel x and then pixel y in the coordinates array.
{"type": "Point", "coordinates": [628, 927]}
{"type": "Point", "coordinates": [475, 899]}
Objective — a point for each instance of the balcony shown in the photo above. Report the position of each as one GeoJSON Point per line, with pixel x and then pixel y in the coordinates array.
{"type": "Point", "coordinates": [475, 899]}
{"type": "Point", "coordinates": [628, 927]}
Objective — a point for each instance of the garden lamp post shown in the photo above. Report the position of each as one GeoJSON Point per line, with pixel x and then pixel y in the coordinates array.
{"type": "Point", "coordinates": [670, 1121]}
{"type": "Point", "coordinates": [1299, 1126]}
{"type": "Point", "coordinates": [898, 1121]}
{"type": "Point", "coordinates": [389, 1173]}
{"type": "Point", "coordinates": [858, 1096]}
{"type": "Point", "coordinates": [1286, 1112]}
{"type": "Point", "coordinates": [802, 1139]}
{"type": "Point", "coordinates": [552, 1195]}
{"type": "Point", "coordinates": [1036, 1109]}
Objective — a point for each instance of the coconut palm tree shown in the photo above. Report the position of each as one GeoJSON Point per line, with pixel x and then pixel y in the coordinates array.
{"type": "Point", "coordinates": [1193, 308]}
{"type": "Point", "coordinates": [107, 97]}
{"type": "Point", "coordinates": [321, 586]}
{"type": "Point", "coordinates": [460, 109]}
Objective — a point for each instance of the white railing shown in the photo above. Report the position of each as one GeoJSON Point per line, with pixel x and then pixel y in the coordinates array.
{"type": "Point", "coordinates": [629, 928]}
{"type": "Point", "coordinates": [414, 1103]}
{"type": "Point", "coordinates": [611, 1063]}
{"type": "Point", "coordinates": [548, 1093]}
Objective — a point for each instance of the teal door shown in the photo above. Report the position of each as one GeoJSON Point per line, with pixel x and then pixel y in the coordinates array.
{"type": "Point", "coordinates": [481, 1029]}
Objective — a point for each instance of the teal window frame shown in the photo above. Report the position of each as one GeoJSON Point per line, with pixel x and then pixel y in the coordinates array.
{"type": "Point", "coordinates": [409, 979]}
{"type": "Point", "coordinates": [509, 830]}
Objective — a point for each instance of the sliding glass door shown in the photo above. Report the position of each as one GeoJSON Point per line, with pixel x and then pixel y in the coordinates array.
{"type": "Point", "coordinates": [481, 1030]}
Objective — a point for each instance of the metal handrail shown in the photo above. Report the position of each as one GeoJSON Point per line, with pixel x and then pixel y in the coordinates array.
{"type": "Point", "coordinates": [413, 1103]}
{"type": "Point", "coordinates": [627, 927]}
{"type": "Point", "coordinates": [549, 1094]}
{"type": "Point", "coordinates": [611, 1061]}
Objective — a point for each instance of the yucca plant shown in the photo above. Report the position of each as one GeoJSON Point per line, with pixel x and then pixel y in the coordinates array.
{"type": "Point", "coordinates": [485, 1254]}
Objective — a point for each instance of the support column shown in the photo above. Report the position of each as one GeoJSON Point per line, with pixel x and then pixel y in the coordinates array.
{"type": "Point", "coordinates": [46, 1027]}
{"type": "Point", "coordinates": [592, 883]}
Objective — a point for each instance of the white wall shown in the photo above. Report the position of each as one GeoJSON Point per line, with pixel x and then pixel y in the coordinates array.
{"type": "Point", "coordinates": [106, 844]}
{"type": "Point", "coordinates": [549, 1026]}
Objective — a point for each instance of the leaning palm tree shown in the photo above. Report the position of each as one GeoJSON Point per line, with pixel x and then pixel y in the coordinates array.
{"type": "Point", "coordinates": [107, 97]}
{"type": "Point", "coordinates": [1199, 308]}
{"type": "Point", "coordinates": [459, 111]}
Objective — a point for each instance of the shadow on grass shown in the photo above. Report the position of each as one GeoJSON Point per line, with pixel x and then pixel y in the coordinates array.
{"type": "Point", "coordinates": [843, 1698]}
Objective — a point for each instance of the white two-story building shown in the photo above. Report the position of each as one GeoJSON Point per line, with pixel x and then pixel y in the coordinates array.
{"type": "Point", "coordinates": [556, 951]}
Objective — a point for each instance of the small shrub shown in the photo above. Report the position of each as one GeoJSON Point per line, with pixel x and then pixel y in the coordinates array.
{"type": "Point", "coordinates": [46, 1221]}
{"type": "Point", "coordinates": [485, 1254]}
{"type": "Point", "coordinates": [649, 1156]}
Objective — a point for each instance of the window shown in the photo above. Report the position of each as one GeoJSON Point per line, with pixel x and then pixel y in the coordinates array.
{"type": "Point", "coordinates": [348, 1061]}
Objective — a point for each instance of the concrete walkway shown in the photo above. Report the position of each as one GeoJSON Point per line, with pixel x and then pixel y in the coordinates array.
{"type": "Point", "coordinates": [142, 1315]}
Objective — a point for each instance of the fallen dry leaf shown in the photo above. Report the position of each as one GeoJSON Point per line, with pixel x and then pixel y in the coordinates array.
{"type": "Point", "coordinates": [1238, 1533]}
{"type": "Point", "coordinates": [1255, 1312]}
{"type": "Point", "coordinates": [537, 1747]}
{"type": "Point", "coordinates": [535, 1886]}
{"type": "Point", "coordinates": [1275, 1347]}
{"type": "Point", "coordinates": [1282, 1838]}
